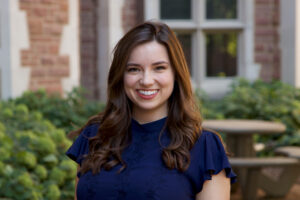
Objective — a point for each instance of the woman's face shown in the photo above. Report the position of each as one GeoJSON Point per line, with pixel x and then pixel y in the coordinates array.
{"type": "Point", "coordinates": [149, 81]}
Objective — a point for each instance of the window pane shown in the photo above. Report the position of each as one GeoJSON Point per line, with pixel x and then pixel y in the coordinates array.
{"type": "Point", "coordinates": [175, 9]}
{"type": "Point", "coordinates": [186, 43]}
{"type": "Point", "coordinates": [221, 54]}
{"type": "Point", "coordinates": [221, 9]}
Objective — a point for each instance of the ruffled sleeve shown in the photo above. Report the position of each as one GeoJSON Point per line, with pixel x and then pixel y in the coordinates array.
{"type": "Point", "coordinates": [209, 159]}
{"type": "Point", "coordinates": [80, 147]}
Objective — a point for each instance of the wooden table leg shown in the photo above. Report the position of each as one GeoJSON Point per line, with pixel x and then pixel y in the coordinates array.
{"type": "Point", "coordinates": [281, 187]}
{"type": "Point", "coordinates": [249, 186]}
{"type": "Point", "coordinates": [240, 145]}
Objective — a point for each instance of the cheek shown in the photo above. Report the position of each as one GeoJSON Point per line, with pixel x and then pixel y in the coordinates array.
{"type": "Point", "coordinates": [129, 82]}
{"type": "Point", "coordinates": [167, 80]}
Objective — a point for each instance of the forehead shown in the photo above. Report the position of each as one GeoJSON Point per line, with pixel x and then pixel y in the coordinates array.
{"type": "Point", "coordinates": [149, 52]}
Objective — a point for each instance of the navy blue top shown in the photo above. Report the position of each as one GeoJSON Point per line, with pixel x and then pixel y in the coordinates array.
{"type": "Point", "coordinates": [146, 176]}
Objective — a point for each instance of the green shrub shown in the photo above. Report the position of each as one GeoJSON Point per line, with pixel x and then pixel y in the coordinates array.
{"type": "Point", "coordinates": [33, 164]}
{"type": "Point", "coordinates": [44, 145]}
{"type": "Point", "coordinates": [57, 175]}
{"type": "Point", "coordinates": [69, 168]}
{"type": "Point", "coordinates": [25, 180]}
{"type": "Point", "coordinates": [209, 108]}
{"type": "Point", "coordinates": [53, 192]}
{"type": "Point", "coordinates": [41, 172]}
{"type": "Point", "coordinates": [27, 159]}
{"type": "Point", "coordinates": [67, 113]}
{"type": "Point", "coordinates": [275, 101]}
{"type": "Point", "coordinates": [33, 132]}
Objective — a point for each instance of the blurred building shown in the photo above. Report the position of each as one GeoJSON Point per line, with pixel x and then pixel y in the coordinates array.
{"type": "Point", "coordinates": [60, 44]}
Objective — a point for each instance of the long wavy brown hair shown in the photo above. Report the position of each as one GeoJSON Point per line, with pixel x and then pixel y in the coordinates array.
{"type": "Point", "coordinates": [183, 122]}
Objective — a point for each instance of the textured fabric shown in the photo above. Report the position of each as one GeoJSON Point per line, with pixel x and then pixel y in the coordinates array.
{"type": "Point", "coordinates": [146, 176]}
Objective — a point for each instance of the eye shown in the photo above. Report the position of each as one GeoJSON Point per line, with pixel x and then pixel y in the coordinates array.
{"type": "Point", "coordinates": [133, 69]}
{"type": "Point", "coordinates": [160, 68]}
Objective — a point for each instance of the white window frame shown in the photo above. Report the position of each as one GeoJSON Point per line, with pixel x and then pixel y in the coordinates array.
{"type": "Point", "coordinates": [198, 25]}
{"type": "Point", "coordinates": [5, 72]}
{"type": "Point", "coordinates": [110, 31]}
{"type": "Point", "coordinates": [290, 41]}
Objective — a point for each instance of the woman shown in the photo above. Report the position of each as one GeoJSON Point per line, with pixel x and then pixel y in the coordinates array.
{"type": "Point", "coordinates": [148, 143]}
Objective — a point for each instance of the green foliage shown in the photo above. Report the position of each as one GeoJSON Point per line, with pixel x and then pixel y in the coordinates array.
{"type": "Point", "coordinates": [41, 172]}
{"type": "Point", "coordinates": [27, 159]}
{"type": "Point", "coordinates": [57, 175]}
{"type": "Point", "coordinates": [261, 100]}
{"type": "Point", "coordinates": [44, 145]}
{"type": "Point", "coordinates": [2, 168]}
{"type": "Point", "coordinates": [210, 109]}
{"type": "Point", "coordinates": [25, 180]}
{"type": "Point", "coordinates": [33, 142]}
{"type": "Point", "coordinates": [50, 160]}
{"type": "Point", "coordinates": [69, 168]}
{"type": "Point", "coordinates": [33, 164]}
{"type": "Point", "coordinates": [4, 154]}
{"type": "Point", "coordinates": [275, 101]}
{"type": "Point", "coordinates": [53, 192]}
{"type": "Point", "coordinates": [67, 113]}
{"type": "Point", "coordinates": [33, 132]}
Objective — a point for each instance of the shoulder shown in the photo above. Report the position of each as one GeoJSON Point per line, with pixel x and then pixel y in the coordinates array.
{"type": "Point", "coordinates": [90, 131]}
{"type": "Point", "coordinates": [80, 146]}
{"type": "Point", "coordinates": [208, 157]}
{"type": "Point", "coordinates": [210, 135]}
{"type": "Point", "coordinates": [209, 141]}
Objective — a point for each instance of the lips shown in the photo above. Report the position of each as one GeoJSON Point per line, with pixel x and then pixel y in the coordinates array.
{"type": "Point", "coordinates": [147, 94]}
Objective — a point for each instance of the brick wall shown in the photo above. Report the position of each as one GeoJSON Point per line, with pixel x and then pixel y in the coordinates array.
{"type": "Point", "coordinates": [267, 51]}
{"type": "Point", "coordinates": [267, 17]}
{"type": "Point", "coordinates": [46, 20]}
{"type": "Point", "coordinates": [88, 47]}
{"type": "Point", "coordinates": [132, 14]}
{"type": "Point", "coordinates": [45, 24]}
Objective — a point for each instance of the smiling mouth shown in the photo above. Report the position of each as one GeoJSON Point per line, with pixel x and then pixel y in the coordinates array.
{"type": "Point", "coordinates": [147, 94]}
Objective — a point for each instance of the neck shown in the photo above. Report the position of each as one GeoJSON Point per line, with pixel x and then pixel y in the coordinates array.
{"type": "Point", "coordinates": [147, 116]}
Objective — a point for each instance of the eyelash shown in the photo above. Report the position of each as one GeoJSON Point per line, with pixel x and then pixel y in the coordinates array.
{"type": "Point", "coordinates": [136, 69]}
{"type": "Point", "coordinates": [132, 69]}
{"type": "Point", "coordinates": [160, 67]}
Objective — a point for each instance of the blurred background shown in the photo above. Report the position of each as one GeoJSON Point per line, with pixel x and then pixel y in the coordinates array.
{"type": "Point", "coordinates": [243, 55]}
{"type": "Point", "coordinates": [61, 44]}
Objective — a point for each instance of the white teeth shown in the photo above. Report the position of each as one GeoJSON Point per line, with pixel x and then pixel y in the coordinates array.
{"type": "Point", "coordinates": [147, 92]}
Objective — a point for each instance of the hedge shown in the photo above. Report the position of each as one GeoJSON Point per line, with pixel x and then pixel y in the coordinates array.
{"type": "Point", "coordinates": [32, 161]}
{"type": "Point", "coordinates": [274, 101]}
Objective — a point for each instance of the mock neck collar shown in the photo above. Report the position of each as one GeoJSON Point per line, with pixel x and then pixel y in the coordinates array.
{"type": "Point", "coordinates": [156, 125]}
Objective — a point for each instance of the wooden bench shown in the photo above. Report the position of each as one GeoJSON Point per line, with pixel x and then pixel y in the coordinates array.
{"type": "Point", "coordinates": [289, 151]}
{"type": "Point", "coordinates": [249, 169]}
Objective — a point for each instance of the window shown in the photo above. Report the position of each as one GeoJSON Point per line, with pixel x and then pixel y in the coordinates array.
{"type": "Point", "coordinates": [221, 9]}
{"type": "Point", "coordinates": [221, 54]}
{"type": "Point", "coordinates": [175, 9]}
{"type": "Point", "coordinates": [186, 43]}
{"type": "Point", "coordinates": [216, 35]}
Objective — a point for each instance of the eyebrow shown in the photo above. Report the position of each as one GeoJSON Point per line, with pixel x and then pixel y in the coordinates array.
{"type": "Point", "coordinates": [160, 62]}
{"type": "Point", "coordinates": [156, 63]}
{"type": "Point", "coordinates": [132, 64]}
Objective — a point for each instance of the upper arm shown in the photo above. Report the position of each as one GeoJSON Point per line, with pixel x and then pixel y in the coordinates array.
{"type": "Point", "coordinates": [76, 182]}
{"type": "Point", "coordinates": [218, 188]}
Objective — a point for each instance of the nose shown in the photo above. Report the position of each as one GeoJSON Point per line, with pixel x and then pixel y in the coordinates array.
{"type": "Point", "coordinates": [147, 79]}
